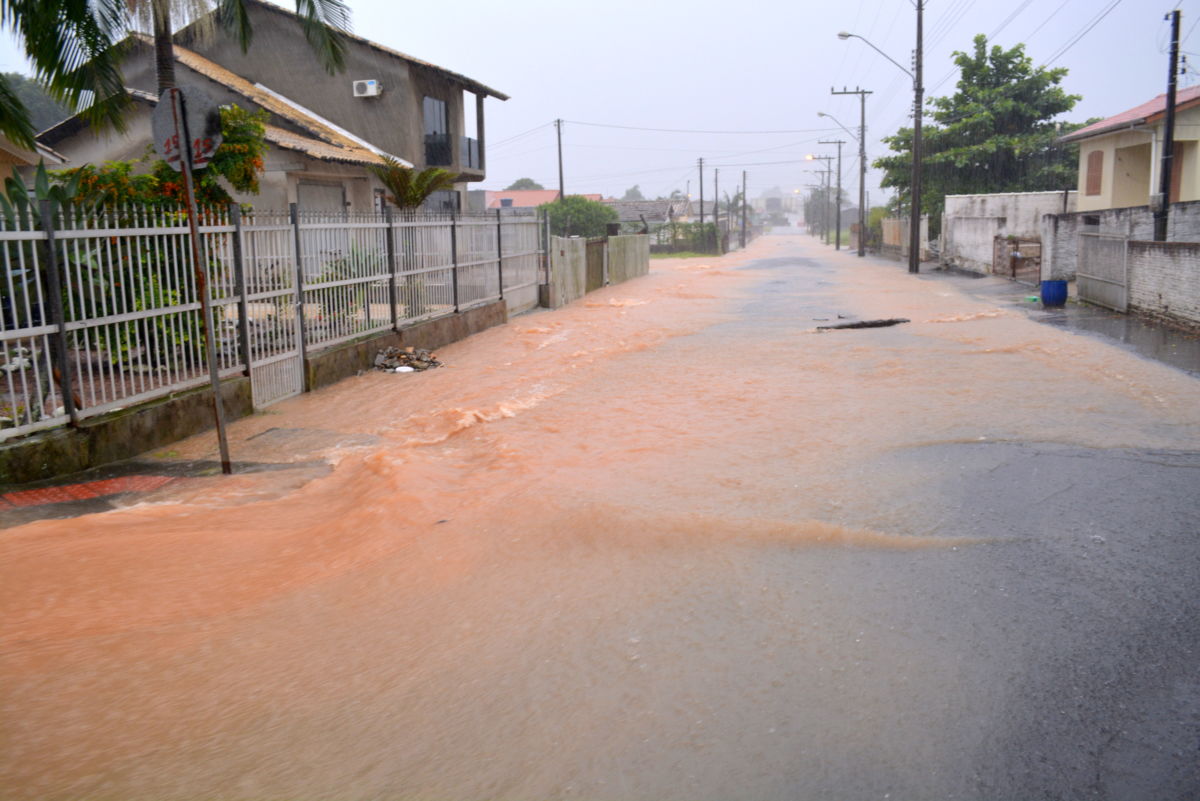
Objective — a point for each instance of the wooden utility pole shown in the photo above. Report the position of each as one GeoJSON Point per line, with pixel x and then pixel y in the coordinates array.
{"type": "Point", "coordinates": [862, 164]}
{"type": "Point", "coordinates": [837, 200]}
{"type": "Point", "coordinates": [1162, 206]}
{"type": "Point", "coordinates": [562, 194]}
{"type": "Point", "coordinates": [914, 234]}
{"type": "Point", "coordinates": [701, 197]}
{"type": "Point", "coordinates": [743, 208]}
{"type": "Point", "coordinates": [717, 207]}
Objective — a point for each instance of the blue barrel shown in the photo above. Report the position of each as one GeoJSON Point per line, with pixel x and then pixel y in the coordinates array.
{"type": "Point", "coordinates": [1054, 294]}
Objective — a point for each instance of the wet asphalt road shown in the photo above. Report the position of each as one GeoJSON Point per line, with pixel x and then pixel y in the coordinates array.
{"type": "Point", "coordinates": [1054, 658]}
{"type": "Point", "coordinates": [1073, 642]}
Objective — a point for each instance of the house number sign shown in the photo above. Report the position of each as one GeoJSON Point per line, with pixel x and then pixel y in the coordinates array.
{"type": "Point", "coordinates": [186, 117]}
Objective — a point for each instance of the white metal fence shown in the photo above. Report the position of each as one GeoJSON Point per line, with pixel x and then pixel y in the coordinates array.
{"type": "Point", "coordinates": [100, 311]}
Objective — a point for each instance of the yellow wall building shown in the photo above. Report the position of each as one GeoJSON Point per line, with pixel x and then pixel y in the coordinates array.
{"type": "Point", "coordinates": [1120, 157]}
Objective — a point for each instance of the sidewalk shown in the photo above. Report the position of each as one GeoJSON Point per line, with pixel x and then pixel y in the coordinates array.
{"type": "Point", "coordinates": [1146, 337]}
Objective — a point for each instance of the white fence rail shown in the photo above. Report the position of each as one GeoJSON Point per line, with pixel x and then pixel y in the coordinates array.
{"type": "Point", "coordinates": [100, 311]}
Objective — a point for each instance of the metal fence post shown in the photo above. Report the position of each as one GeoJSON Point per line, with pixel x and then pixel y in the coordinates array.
{"type": "Point", "coordinates": [454, 256]}
{"type": "Point", "coordinates": [239, 273]}
{"type": "Point", "coordinates": [295, 216]}
{"type": "Point", "coordinates": [58, 317]}
{"type": "Point", "coordinates": [500, 252]}
{"type": "Point", "coordinates": [391, 265]}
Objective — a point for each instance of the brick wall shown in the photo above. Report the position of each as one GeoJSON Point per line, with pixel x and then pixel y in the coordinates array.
{"type": "Point", "coordinates": [1060, 232]}
{"type": "Point", "coordinates": [1164, 280]}
{"type": "Point", "coordinates": [970, 223]}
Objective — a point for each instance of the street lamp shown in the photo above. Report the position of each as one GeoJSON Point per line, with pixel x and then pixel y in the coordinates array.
{"type": "Point", "coordinates": [862, 176]}
{"type": "Point", "coordinates": [914, 226]}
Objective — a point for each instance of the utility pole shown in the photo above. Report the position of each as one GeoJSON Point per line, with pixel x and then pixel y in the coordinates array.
{"type": "Point", "coordinates": [743, 209]}
{"type": "Point", "coordinates": [825, 192]}
{"type": "Point", "coordinates": [562, 195]}
{"type": "Point", "coordinates": [837, 199]}
{"type": "Point", "coordinates": [914, 233]}
{"type": "Point", "coordinates": [717, 207]}
{"type": "Point", "coordinates": [1162, 206]}
{"type": "Point", "coordinates": [702, 197]}
{"type": "Point", "coordinates": [862, 164]}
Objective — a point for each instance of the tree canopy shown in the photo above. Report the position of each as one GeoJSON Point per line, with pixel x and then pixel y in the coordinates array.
{"type": "Point", "coordinates": [43, 109]}
{"type": "Point", "coordinates": [994, 134]}
{"type": "Point", "coordinates": [577, 216]}
{"type": "Point", "coordinates": [633, 193]}
{"type": "Point", "coordinates": [522, 184]}
{"type": "Point", "coordinates": [408, 188]}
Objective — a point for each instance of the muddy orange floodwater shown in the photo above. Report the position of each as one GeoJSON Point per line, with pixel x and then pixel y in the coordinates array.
{"type": "Point", "coordinates": [554, 568]}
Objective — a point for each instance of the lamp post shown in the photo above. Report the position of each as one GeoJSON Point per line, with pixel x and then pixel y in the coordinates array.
{"type": "Point", "coordinates": [837, 198]}
{"type": "Point", "coordinates": [914, 226]}
{"type": "Point", "coordinates": [862, 160]}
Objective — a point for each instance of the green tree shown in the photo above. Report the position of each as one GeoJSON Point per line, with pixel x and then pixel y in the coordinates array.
{"type": "Point", "coordinates": [522, 184]}
{"type": "Point", "coordinates": [578, 216]}
{"type": "Point", "coordinates": [994, 134]}
{"type": "Point", "coordinates": [633, 193]}
{"type": "Point", "coordinates": [409, 188]}
{"type": "Point", "coordinates": [43, 109]}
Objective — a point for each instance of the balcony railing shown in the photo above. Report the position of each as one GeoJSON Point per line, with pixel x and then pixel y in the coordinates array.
{"type": "Point", "coordinates": [437, 150]}
{"type": "Point", "coordinates": [469, 158]}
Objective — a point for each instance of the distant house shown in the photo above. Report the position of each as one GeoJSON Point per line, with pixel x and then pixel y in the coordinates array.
{"type": "Point", "coordinates": [1120, 157]}
{"type": "Point", "coordinates": [324, 131]}
{"type": "Point", "coordinates": [520, 198]}
{"type": "Point", "coordinates": [652, 211]}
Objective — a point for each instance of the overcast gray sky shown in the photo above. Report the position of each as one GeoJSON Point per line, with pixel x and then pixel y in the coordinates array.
{"type": "Point", "coordinates": [758, 65]}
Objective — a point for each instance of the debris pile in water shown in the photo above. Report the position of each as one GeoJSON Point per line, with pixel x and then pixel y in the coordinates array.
{"type": "Point", "coordinates": [405, 360]}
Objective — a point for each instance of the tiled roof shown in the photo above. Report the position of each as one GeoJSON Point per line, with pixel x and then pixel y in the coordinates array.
{"type": "Point", "coordinates": [522, 198]}
{"type": "Point", "coordinates": [1138, 115]}
{"type": "Point", "coordinates": [347, 153]}
{"type": "Point", "coordinates": [474, 86]}
{"type": "Point", "coordinates": [653, 210]}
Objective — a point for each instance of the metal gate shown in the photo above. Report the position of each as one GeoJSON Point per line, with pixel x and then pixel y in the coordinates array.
{"type": "Point", "coordinates": [270, 325]}
{"type": "Point", "coordinates": [595, 264]}
{"type": "Point", "coordinates": [1102, 270]}
{"type": "Point", "coordinates": [1018, 259]}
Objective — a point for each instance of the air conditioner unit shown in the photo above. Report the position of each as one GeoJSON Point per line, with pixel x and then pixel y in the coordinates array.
{"type": "Point", "coordinates": [370, 88]}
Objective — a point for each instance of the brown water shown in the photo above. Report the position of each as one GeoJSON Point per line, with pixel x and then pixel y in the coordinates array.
{"type": "Point", "coordinates": [643, 546]}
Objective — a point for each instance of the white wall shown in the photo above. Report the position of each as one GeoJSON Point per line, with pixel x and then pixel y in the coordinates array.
{"type": "Point", "coordinates": [971, 222]}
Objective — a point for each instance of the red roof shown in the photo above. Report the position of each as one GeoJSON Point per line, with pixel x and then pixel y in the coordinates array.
{"type": "Point", "coordinates": [1139, 115]}
{"type": "Point", "coordinates": [522, 198]}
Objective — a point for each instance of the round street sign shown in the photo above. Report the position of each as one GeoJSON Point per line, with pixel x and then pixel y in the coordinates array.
{"type": "Point", "coordinates": [186, 116]}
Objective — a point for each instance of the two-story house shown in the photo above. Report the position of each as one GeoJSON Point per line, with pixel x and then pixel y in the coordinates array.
{"type": "Point", "coordinates": [324, 130]}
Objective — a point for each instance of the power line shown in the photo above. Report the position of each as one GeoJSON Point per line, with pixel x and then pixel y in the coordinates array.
{"type": "Point", "coordinates": [1084, 32]}
{"type": "Point", "coordinates": [518, 136]}
{"type": "Point", "coordinates": [688, 131]}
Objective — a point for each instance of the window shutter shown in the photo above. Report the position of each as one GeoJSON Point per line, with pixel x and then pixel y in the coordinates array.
{"type": "Point", "coordinates": [1095, 172]}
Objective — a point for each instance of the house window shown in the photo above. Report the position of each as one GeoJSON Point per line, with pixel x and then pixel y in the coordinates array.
{"type": "Point", "coordinates": [1095, 172]}
{"type": "Point", "coordinates": [506, 202]}
{"type": "Point", "coordinates": [437, 133]}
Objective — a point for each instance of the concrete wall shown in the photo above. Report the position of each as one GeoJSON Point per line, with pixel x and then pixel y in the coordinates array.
{"type": "Point", "coordinates": [282, 59]}
{"type": "Point", "coordinates": [628, 257]}
{"type": "Point", "coordinates": [1164, 280]}
{"type": "Point", "coordinates": [568, 271]}
{"type": "Point", "coordinates": [971, 223]}
{"type": "Point", "coordinates": [1060, 232]}
{"type": "Point", "coordinates": [895, 237]}
{"type": "Point", "coordinates": [121, 434]}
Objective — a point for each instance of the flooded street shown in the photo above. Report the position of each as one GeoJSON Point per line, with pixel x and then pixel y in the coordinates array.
{"type": "Point", "coordinates": [669, 542]}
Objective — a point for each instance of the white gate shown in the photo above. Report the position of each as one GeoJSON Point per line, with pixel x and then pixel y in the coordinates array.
{"type": "Point", "coordinates": [270, 327]}
{"type": "Point", "coordinates": [1102, 270]}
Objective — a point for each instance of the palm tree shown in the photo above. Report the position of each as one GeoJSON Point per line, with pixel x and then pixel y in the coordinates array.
{"type": "Point", "coordinates": [75, 47]}
{"type": "Point", "coordinates": [409, 188]}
